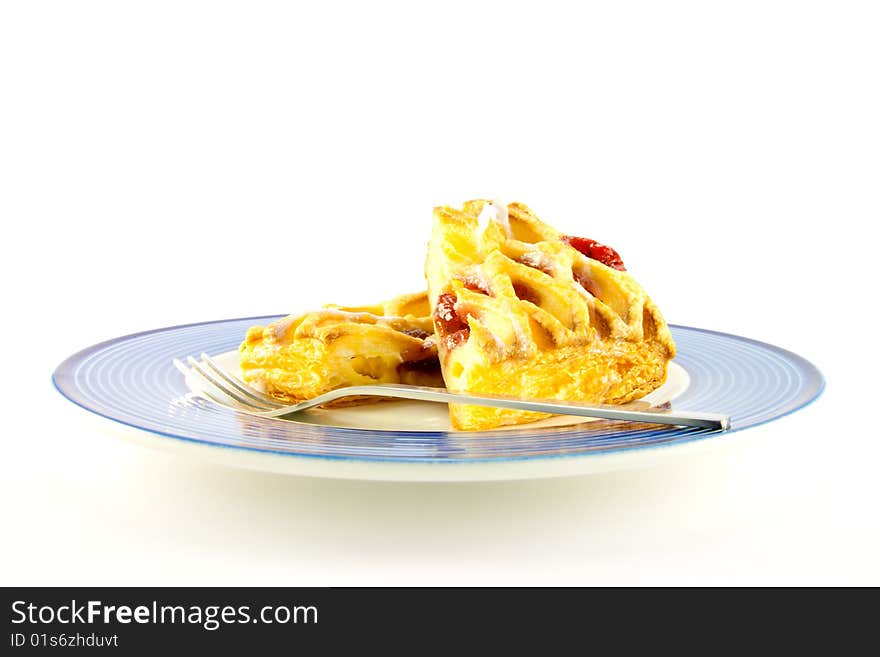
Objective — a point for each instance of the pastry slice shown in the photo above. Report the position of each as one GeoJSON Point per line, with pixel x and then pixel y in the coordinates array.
{"type": "Point", "coordinates": [300, 357]}
{"type": "Point", "coordinates": [521, 309]}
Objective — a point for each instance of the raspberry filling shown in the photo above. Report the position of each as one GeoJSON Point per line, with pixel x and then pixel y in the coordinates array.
{"type": "Point", "coordinates": [452, 328]}
{"type": "Point", "coordinates": [421, 358]}
{"type": "Point", "coordinates": [429, 364]}
{"type": "Point", "coordinates": [526, 293]}
{"type": "Point", "coordinates": [585, 282]}
{"type": "Point", "coordinates": [592, 249]}
{"type": "Point", "coordinates": [475, 285]}
{"type": "Point", "coordinates": [416, 332]}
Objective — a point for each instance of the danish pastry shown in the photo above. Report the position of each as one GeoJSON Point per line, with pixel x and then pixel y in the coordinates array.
{"type": "Point", "coordinates": [521, 309]}
{"type": "Point", "coordinates": [300, 357]}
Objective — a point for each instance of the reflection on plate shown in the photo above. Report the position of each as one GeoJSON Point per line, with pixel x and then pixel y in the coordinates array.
{"type": "Point", "coordinates": [132, 380]}
{"type": "Point", "coordinates": [426, 416]}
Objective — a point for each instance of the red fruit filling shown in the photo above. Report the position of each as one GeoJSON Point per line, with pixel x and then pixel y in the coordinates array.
{"type": "Point", "coordinates": [475, 285]}
{"type": "Point", "coordinates": [585, 282]}
{"type": "Point", "coordinates": [427, 365]}
{"type": "Point", "coordinates": [416, 332]}
{"type": "Point", "coordinates": [592, 249]}
{"type": "Point", "coordinates": [452, 328]}
{"type": "Point", "coordinates": [526, 293]}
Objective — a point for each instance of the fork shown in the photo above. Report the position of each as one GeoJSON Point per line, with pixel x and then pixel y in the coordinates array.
{"type": "Point", "coordinates": [254, 402]}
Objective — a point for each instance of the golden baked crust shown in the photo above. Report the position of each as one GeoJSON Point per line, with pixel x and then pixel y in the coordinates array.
{"type": "Point", "coordinates": [520, 311]}
{"type": "Point", "coordinates": [300, 357]}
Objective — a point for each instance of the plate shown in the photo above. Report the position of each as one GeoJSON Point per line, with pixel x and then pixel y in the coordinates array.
{"type": "Point", "coordinates": [131, 380]}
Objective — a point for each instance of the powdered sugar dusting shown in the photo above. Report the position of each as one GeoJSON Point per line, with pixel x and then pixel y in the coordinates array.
{"type": "Point", "coordinates": [497, 212]}
{"type": "Point", "coordinates": [537, 260]}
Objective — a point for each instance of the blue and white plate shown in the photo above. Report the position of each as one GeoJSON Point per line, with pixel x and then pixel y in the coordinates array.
{"type": "Point", "coordinates": [132, 380]}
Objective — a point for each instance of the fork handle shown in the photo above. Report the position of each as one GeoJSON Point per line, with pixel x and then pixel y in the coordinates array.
{"type": "Point", "coordinates": [714, 421]}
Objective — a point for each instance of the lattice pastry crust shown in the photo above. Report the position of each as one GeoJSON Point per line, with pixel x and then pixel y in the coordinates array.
{"type": "Point", "coordinates": [300, 357]}
{"type": "Point", "coordinates": [521, 309]}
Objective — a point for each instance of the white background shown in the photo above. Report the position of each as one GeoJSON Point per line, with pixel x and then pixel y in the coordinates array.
{"type": "Point", "coordinates": [164, 163]}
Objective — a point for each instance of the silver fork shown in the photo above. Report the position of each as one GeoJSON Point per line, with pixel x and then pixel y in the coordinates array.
{"type": "Point", "coordinates": [254, 402]}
